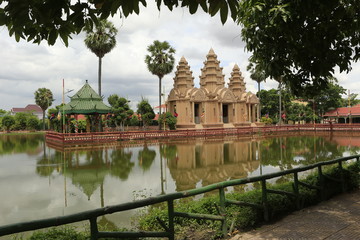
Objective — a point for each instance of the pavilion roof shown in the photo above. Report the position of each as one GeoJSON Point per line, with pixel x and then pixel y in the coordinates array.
{"type": "Point", "coordinates": [86, 101]}
{"type": "Point", "coordinates": [344, 111]}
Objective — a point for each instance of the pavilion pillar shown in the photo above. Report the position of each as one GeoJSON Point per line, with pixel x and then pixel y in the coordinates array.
{"type": "Point", "coordinates": [88, 125]}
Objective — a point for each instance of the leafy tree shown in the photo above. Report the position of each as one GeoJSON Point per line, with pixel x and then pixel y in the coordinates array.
{"type": "Point", "coordinates": [169, 120]}
{"type": "Point", "coordinates": [300, 112]}
{"type": "Point", "coordinates": [303, 41]}
{"type": "Point", "coordinates": [101, 39]}
{"type": "Point", "coordinates": [8, 121]}
{"type": "Point", "coordinates": [270, 102]}
{"type": "Point", "coordinates": [120, 109]}
{"type": "Point", "coordinates": [44, 99]}
{"type": "Point", "coordinates": [134, 121]}
{"type": "Point", "coordinates": [32, 123]}
{"type": "Point", "coordinates": [21, 120]}
{"type": "Point", "coordinates": [328, 98]}
{"type": "Point", "coordinates": [2, 112]}
{"type": "Point", "coordinates": [350, 100]}
{"type": "Point", "coordinates": [53, 114]}
{"type": "Point", "coordinates": [48, 20]}
{"type": "Point", "coordinates": [146, 112]}
{"type": "Point", "coordinates": [160, 62]}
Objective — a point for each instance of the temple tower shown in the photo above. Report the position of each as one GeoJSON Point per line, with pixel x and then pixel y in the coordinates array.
{"type": "Point", "coordinates": [211, 74]}
{"type": "Point", "coordinates": [179, 103]}
{"type": "Point", "coordinates": [237, 84]}
{"type": "Point", "coordinates": [183, 79]}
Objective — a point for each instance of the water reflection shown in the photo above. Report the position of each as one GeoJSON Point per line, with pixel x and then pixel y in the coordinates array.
{"type": "Point", "coordinates": [12, 144]}
{"type": "Point", "coordinates": [51, 180]}
{"type": "Point", "coordinates": [202, 163]}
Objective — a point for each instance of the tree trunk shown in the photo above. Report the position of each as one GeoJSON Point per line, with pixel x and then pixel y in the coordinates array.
{"type": "Point", "coordinates": [280, 120]}
{"type": "Point", "coordinates": [259, 107]}
{"type": "Point", "coordinates": [99, 77]}
{"type": "Point", "coordinates": [159, 102]}
{"type": "Point", "coordinates": [44, 120]}
{"type": "Point", "coordinates": [99, 81]}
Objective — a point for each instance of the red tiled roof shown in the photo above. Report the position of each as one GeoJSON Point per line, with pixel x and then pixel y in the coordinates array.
{"type": "Point", "coordinates": [344, 111]}
{"type": "Point", "coordinates": [28, 108]}
{"type": "Point", "coordinates": [33, 107]}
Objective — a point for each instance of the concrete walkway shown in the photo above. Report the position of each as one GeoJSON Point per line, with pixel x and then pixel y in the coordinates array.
{"type": "Point", "coordinates": [337, 218]}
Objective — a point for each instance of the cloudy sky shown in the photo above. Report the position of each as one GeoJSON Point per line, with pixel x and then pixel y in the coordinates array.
{"type": "Point", "coordinates": [25, 67]}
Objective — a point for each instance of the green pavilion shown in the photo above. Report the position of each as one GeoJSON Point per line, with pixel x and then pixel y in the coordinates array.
{"type": "Point", "coordinates": [87, 102]}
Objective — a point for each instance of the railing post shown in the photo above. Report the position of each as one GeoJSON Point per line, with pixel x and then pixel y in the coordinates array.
{"type": "Point", "coordinates": [264, 200]}
{"type": "Point", "coordinates": [93, 229]}
{"type": "Point", "coordinates": [296, 190]}
{"type": "Point", "coordinates": [342, 177]}
{"type": "Point", "coordinates": [322, 183]}
{"type": "Point", "coordinates": [171, 219]}
{"type": "Point", "coordinates": [223, 211]}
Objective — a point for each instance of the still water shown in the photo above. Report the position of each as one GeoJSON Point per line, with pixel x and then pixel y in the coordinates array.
{"type": "Point", "coordinates": [38, 180]}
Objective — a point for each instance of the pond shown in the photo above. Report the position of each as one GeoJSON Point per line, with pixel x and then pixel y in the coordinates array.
{"type": "Point", "coordinates": [38, 180]}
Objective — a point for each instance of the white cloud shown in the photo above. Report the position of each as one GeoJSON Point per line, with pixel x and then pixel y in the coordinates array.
{"type": "Point", "coordinates": [25, 67]}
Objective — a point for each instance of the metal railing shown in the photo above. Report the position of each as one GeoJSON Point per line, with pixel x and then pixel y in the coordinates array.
{"type": "Point", "coordinates": [168, 227]}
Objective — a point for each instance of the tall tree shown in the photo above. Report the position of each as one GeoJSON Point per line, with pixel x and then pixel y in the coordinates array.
{"type": "Point", "coordinates": [44, 99]}
{"type": "Point", "coordinates": [160, 62]}
{"type": "Point", "coordinates": [258, 76]}
{"type": "Point", "coordinates": [101, 39]}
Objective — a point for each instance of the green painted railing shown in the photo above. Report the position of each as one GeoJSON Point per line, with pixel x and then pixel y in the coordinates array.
{"type": "Point", "coordinates": [169, 231]}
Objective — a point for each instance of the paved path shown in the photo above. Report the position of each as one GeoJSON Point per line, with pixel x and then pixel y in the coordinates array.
{"type": "Point", "coordinates": [337, 218]}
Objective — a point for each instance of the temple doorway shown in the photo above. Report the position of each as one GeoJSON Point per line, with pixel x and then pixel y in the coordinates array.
{"type": "Point", "coordinates": [225, 113]}
{"type": "Point", "coordinates": [196, 113]}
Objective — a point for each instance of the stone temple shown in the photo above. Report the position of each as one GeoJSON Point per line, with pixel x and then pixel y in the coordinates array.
{"type": "Point", "coordinates": [212, 105]}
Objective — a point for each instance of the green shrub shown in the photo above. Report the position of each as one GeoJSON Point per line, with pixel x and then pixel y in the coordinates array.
{"type": "Point", "coordinates": [266, 120]}
{"type": "Point", "coordinates": [33, 123]}
{"type": "Point", "coordinates": [8, 121]}
{"type": "Point", "coordinates": [169, 119]}
{"type": "Point", "coordinates": [62, 233]}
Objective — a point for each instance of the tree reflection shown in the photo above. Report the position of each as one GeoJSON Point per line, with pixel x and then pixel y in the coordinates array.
{"type": "Point", "coordinates": [146, 158]}
{"type": "Point", "coordinates": [29, 144]}
{"type": "Point", "coordinates": [121, 164]}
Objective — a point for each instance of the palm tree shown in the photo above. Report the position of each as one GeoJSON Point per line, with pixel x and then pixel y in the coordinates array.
{"type": "Point", "coordinates": [101, 40]}
{"type": "Point", "coordinates": [160, 62]}
{"type": "Point", "coordinates": [44, 99]}
{"type": "Point", "coordinates": [259, 76]}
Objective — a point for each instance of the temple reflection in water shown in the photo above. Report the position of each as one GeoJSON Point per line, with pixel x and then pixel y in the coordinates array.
{"type": "Point", "coordinates": [210, 162]}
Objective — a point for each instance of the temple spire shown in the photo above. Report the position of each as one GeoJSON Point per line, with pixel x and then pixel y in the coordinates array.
{"type": "Point", "coordinates": [183, 79]}
{"type": "Point", "coordinates": [237, 84]}
{"type": "Point", "coordinates": [211, 74]}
